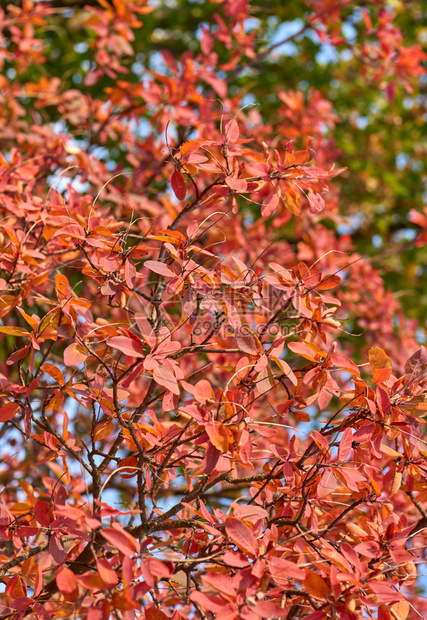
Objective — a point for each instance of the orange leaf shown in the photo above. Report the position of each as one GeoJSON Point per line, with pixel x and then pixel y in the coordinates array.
{"type": "Point", "coordinates": [218, 435]}
{"type": "Point", "coordinates": [380, 365]}
{"type": "Point", "coordinates": [102, 430]}
{"type": "Point", "coordinates": [54, 372]}
{"type": "Point", "coordinates": [328, 282]}
{"type": "Point", "coordinates": [66, 582]}
{"type": "Point", "coordinates": [107, 574]}
{"type": "Point", "coordinates": [400, 610]}
{"type": "Point", "coordinates": [315, 585]}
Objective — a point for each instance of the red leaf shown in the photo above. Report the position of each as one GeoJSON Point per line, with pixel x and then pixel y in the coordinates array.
{"type": "Point", "coordinates": [309, 351]}
{"type": "Point", "coordinates": [8, 411]}
{"type": "Point", "coordinates": [370, 549]}
{"type": "Point", "coordinates": [16, 587]}
{"type": "Point", "coordinates": [383, 399]}
{"type": "Point", "coordinates": [152, 613]}
{"type": "Point", "coordinates": [130, 274]}
{"type": "Point", "coordinates": [286, 369]}
{"type": "Point", "coordinates": [211, 603]}
{"type": "Point", "coordinates": [17, 355]}
{"type": "Point", "coordinates": [417, 362]}
{"type": "Point", "coordinates": [242, 536]}
{"type": "Point", "coordinates": [328, 282]}
{"type": "Point", "coordinates": [268, 609]}
{"type": "Point", "coordinates": [384, 593]}
{"type": "Point", "coordinates": [222, 583]}
{"type": "Point", "coordinates": [121, 539]}
{"type": "Point", "coordinates": [73, 230]}
{"type": "Point", "coordinates": [56, 548]}
{"type": "Point", "coordinates": [235, 559]}
{"type": "Point", "coordinates": [43, 513]}
{"type": "Point", "coordinates": [54, 372]}
{"type": "Point", "coordinates": [102, 430]}
{"type": "Point", "coordinates": [179, 185]}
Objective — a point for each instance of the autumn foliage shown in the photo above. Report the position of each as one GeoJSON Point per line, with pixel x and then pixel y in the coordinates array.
{"type": "Point", "coordinates": [211, 403]}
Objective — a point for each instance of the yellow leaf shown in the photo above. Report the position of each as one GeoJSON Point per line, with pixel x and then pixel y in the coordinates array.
{"type": "Point", "coordinates": [14, 331]}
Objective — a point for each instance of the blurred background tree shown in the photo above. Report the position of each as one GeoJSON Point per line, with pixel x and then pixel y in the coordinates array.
{"type": "Point", "coordinates": [309, 47]}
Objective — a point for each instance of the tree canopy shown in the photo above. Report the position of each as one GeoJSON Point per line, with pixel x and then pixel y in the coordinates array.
{"type": "Point", "coordinates": [212, 308]}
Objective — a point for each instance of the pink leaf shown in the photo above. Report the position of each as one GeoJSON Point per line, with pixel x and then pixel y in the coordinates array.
{"type": "Point", "coordinates": [130, 274]}
{"type": "Point", "coordinates": [327, 484]}
{"type": "Point", "coordinates": [75, 354]}
{"type": "Point", "coordinates": [128, 346]}
{"type": "Point", "coordinates": [345, 445]}
{"type": "Point", "coordinates": [270, 203]}
{"type": "Point", "coordinates": [238, 185]}
{"type": "Point", "coordinates": [165, 377]}
{"type": "Point", "coordinates": [121, 539]}
{"type": "Point", "coordinates": [206, 41]}
{"type": "Point", "coordinates": [232, 131]}
{"type": "Point", "coordinates": [242, 536]}
{"type": "Point", "coordinates": [343, 362]}
{"type": "Point", "coordinates": [203, 391]}
{"type": "Point", "coordinates": [192, 229]}
{"type": "Point", "coordinates": [282, 569]}
{"type": "Point", "coordinates": [247, 341]}
{"type": "Point", "coordinates": [73, 230]}
{"type": "Point", "coordinates": [317, 204]}
{"type": "Point", "coordinates": [160, 268]}
{"type": "Point", "coordinates": [146, 330]}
